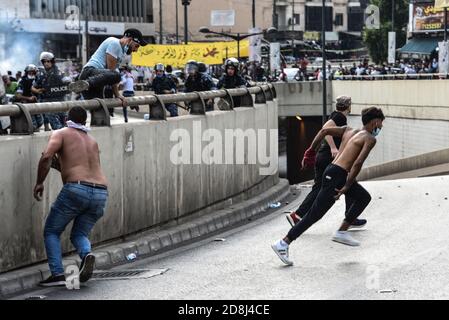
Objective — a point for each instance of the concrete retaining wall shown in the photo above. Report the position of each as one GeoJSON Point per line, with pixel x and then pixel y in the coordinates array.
{"type": "Point", "coordinates": [145, 188]}
{"type": "Point", "coordinates": [403, 165]}
{"type": "Point", "coordinates": [412, 99]}
{"type": "Point", "coordinates": [302, 98]}
{"type": "Point", "coordinates": [417, 114]}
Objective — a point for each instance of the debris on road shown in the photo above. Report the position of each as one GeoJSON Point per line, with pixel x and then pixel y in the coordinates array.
{"type": "Point", "coordinates": [36, 298]}
{"type": "Point", "coordinates": [131, 256]}
{"type": "Point", "coordinates": [275, 205]}
{"type": "Point", "coordinates": [388, 291]}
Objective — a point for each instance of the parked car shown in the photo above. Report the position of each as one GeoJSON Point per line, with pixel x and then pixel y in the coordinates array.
{"type": "Point", "coordinates": [291, 74]}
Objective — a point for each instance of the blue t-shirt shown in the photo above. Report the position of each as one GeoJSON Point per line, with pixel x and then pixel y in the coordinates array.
{"type": "Point", "coordinates": [109, 46]}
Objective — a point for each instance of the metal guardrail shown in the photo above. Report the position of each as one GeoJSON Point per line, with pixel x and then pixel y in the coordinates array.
{"type": "Point", "coordinates": [401, 76]}
{"type": "Point", "coordinates": [21, 122]}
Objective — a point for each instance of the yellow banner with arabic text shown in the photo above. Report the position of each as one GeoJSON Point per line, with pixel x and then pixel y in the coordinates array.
{"type": "Point", "coordinates": [179, 55]}
{"type": "Point", "coordinates": [441, 3]}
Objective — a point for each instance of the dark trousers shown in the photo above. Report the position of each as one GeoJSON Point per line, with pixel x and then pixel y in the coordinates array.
{"type": "Point", "coordinates": [334, 177]}
{"type": "Point", "coordinates": [323, 159]}
{"type": "Point", "coordinates": [98, 79]}
{"type": "Point", "coordinates": [127, 94]}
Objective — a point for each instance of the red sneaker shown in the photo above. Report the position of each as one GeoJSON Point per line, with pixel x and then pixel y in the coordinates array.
{"type": "Point", "coordinates": [293, 218]}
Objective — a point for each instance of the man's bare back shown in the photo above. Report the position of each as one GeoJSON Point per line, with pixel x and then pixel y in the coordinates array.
{"type": "Point", "coordinates": [79, 157]}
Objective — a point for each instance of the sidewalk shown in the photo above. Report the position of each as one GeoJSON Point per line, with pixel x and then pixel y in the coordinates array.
{"type": "Point", "coordinates": [153, 242]}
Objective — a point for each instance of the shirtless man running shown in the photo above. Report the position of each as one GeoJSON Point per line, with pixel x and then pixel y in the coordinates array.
{"type": "Point", "coordinates": [339, 178]}
{"type": "Point", "coordinates": [83, 198]}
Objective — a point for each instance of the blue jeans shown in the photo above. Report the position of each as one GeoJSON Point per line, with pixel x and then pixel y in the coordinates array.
{"type": "Point", "coordinates": [56, 120]}
{"type": "Point", "coordinates": [83, 204]}
{"type": "Point", "coordinates": [173, 109]}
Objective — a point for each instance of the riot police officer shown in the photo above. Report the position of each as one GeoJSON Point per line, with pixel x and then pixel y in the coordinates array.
{"type": "Point", "coordinates": [231, 78]}
{"type": "Point", "coordinates": [162, 84]}
{"type": "Point", "coordinates": [24, 94]}
{"type": "Point", "coordinates": [197, 81]}
{"type": "Point", "coordinates": [50, 87]}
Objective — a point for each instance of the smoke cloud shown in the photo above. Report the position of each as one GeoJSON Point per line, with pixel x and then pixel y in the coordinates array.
{"type": "Point", "coordinates": [18, 49]}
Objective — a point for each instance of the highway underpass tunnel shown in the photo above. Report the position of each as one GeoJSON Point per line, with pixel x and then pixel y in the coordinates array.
{"type": "Point", "coordinates": [300, 133]}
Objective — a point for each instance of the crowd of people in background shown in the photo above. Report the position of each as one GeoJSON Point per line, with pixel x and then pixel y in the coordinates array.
{"type": "Point", "coordinates": [48, 82]}
{"type": "Point", "coordinates": [339, 71]}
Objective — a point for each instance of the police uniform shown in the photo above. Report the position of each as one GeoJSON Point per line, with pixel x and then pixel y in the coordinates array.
{"type": "Point", "coordinates": [24, 88]}
{"type": "Point", "coordinates": [55, 90]}
{"type": "Point", "coordinates": [161, 84]}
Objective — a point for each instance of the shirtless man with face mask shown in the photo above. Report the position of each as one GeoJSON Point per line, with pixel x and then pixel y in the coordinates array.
{"type": "Point", "coordinates": [339, 178]}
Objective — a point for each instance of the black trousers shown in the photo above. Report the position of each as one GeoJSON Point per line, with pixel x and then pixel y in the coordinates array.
{"type": "Point", "coordinates": [334, 177]}
{"type": "Point", "coordinates": [98, 79]}
{"type": "Point", "coordinates": [323, 159]}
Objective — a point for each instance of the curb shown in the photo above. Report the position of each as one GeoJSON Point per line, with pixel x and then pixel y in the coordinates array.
{"type": "Point", "coordinates": [165, 239]}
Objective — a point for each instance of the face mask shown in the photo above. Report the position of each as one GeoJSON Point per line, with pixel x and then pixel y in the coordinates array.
{"type": "Point", "coordinates": [31, 77]}
{"type": "Point", "coordinates": [375, 132]}
{"type": "Point", "coordinates": [127, 50]}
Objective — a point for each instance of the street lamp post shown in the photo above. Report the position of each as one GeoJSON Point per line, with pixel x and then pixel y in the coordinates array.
{"type": "Point", "coordinates": [186, 3]}
{"type": "Point", "coordinates": [160, 22]}
{"type": "Point", "coordinates": [237, 37]}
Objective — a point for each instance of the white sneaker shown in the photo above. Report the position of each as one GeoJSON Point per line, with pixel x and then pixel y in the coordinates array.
{"type": "Point", "coordinates": [345, 238]}
{"type": "Point", "coordinates": [282, 252]}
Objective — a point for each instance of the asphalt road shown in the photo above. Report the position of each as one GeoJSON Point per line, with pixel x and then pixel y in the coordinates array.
{"type": "Point", "coordinates": [404, 255]}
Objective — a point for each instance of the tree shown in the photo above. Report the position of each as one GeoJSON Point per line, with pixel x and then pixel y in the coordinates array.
{"type": "Point", "coordinates": [376, 40]}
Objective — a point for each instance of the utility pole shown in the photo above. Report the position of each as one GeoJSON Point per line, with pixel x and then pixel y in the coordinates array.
{"type": "Point", "coordinates": [177, 23]}
{"type": "Point", "coordinates": [86, 27]}
{"type": "Point", "coordinates": [323, 47]}
{"type": "Point", "coordinates": [293, 28]}
{"type": "Point", "coordinates": [445, 23]}
{"type": "Point", "coordinates": [293, 15]}
{"type": "Point", "coordinates": [160, 22]}
{"type": "Point", "coordinates": [80, 38]}
{"type": "Point", "coordinates": [275, 17]}
{"type": "Point", "coordinates": [392, 15]}
{"type": "Point", "coordinates": [254, 13]}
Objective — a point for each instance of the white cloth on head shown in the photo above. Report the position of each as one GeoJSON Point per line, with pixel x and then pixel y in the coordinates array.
{"type": "Point", "coordinates": [78, 126]}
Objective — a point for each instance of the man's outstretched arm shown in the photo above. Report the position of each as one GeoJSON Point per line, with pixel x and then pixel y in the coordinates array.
{"type": "Point", "coordinates": [330, 131]}
{"type": "Point", "coordinates": [310, 155]}
{"type": "Point", "coordinates": [54, 146]}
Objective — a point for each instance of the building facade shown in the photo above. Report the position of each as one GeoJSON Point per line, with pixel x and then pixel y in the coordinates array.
{"type": "Point", "coordinates": [60, 26]}
{"type": "Point", "coordinates": [306, 16]}
{"type": "Point", "coordinates": [201, 12]}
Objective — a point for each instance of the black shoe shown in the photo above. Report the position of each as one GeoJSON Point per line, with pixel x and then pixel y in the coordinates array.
{"type": "Point", "coordinates": [53, 281]}
{"type": "Point", "coordinates": [87, 267]}
{"type": "Point", "coordinates": [357, 224]}
{"type": "Point", "coordinates": [79, 86]}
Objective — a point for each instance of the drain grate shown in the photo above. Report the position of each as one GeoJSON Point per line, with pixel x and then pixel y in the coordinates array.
{"type": "Point", "coordinates": [127, 274]}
